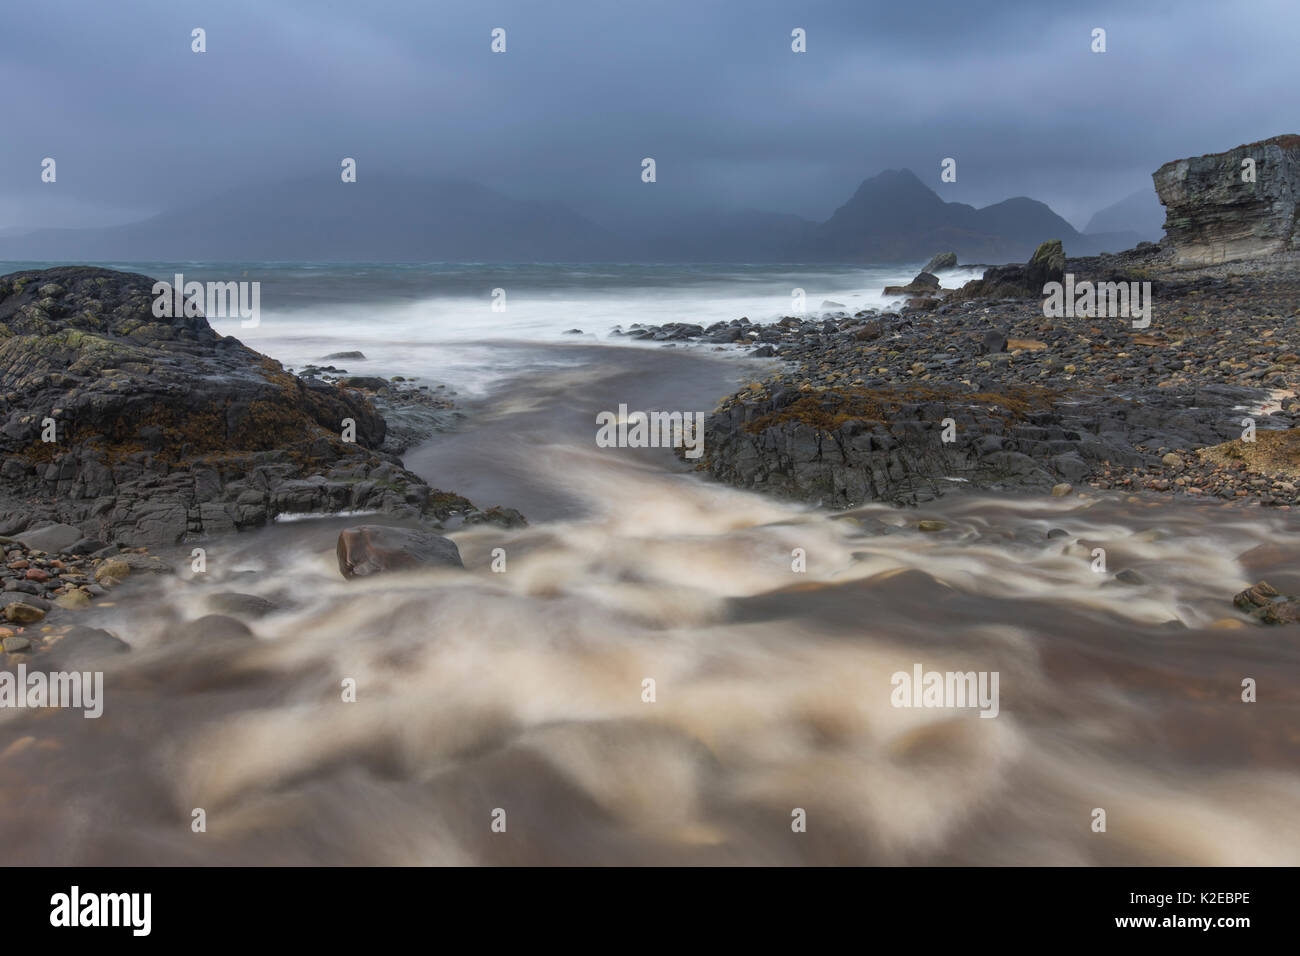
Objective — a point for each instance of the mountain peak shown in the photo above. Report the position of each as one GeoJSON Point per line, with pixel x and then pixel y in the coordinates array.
{"type": "Point", "coordinates": [903, 174]}
{"type": "Point", "coordinates": [896, 179]}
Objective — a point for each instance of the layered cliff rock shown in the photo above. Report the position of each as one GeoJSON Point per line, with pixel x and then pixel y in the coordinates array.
{"type": "Point", "coordinates": [149, 431]}
{"type": "Point", "coordinates": [1219, 207]}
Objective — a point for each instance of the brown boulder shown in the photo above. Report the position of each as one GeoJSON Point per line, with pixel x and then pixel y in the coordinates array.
{"type": "Point", "coordinates": [1267, 605]}
{"type": "Point", "coordinates": [371, 549]}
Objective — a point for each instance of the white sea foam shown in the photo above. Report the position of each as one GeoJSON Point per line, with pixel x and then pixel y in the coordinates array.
{"type": "Point", "coordinates": [426, 327]}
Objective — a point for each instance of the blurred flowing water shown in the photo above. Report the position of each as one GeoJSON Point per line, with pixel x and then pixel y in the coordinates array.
{"type": "Point", "coordinates": [522, 691]}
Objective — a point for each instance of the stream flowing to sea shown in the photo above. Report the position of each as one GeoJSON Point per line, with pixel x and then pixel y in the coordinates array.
{"type": "Point", "coordinates": [523, 690]}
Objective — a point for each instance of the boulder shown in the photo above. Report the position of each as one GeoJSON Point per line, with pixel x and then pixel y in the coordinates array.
{"type": "Point", "coordinates": [370, 383]}
{"type": "Point", "coordinates": [113, 568]}
{"type": "Point", "coordinates": [923, 284]}
{"type": "Point", "coordinates": [217, 627]}
{"type": "Point", "coordinates": [52, 537]}
{"type": "Point", "coordinates": [16, 597]}
{"type": "Point", "coordinates": [73, 600]}
{"type": "Point", "coordinates": [82, 645]}
{"type": "Point", "coordinates": [371, 549]}
{"type": "Point", "coordinates": [992, 342]}
{"type": "Point", "coordinates": [22, 613]}
{"type": "Point", "coordinates": [868, 331]}
{"type": "Point", "coordinates": [944, 260]}
{"type": "Point", "coordinates": [238, 603]}
{"type": "Point", "coordinates": [1047, 264]}
{"type": "Point", "coordinates": [1267, 605]}
{"type": "Point", "coordinates": [1279, 612]}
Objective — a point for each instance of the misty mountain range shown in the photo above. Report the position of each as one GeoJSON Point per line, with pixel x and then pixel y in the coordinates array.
{"type": "Point", "coordinates": [1139, 212]}
{"type": "Point", "coordinates": [892, 217]}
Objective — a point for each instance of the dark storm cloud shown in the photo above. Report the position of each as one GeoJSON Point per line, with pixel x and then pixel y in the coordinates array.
{"type": "Point", "coordinates": [137, 122]}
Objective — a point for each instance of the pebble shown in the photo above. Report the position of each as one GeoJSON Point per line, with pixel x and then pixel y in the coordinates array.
{"type": "Point", "coordinates": [73, 600]}
{"type": "Point", "coordinates": [54, 583]}
{"type": "Point", "coordinates": [20, 613]}
{"type": "Point", "coordinates": [112, 568]}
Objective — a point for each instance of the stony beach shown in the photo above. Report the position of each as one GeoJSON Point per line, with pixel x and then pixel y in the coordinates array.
{"type": "Point", "coordinates": [855, 409]}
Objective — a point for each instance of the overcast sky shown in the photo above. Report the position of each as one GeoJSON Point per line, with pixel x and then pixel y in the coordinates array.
{"type": "Point", "coordinates": [587, 88]}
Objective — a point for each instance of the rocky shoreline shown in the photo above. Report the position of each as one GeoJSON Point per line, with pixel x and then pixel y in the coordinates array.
{"type": "Point", "coordinates": [146, 432]}
{"type": "Point", "coordinates": [124, 434]}
{"type": "Point", "coordinates": [975, 389]}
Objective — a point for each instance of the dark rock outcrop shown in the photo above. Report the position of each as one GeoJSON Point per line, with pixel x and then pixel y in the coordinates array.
{"type": "Point", "coordinates": [1014, 281]}
{"type": "Point", "coordinates": [166, 431]}
{"type": "Point", "coordinates": [924, 284]}
{"type": "Point", "coordinates": [844, 447]}
{"type": "Point", "coordinates": [943, 260]}
{"type": "Point", "coordinates": [1213, 214]}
